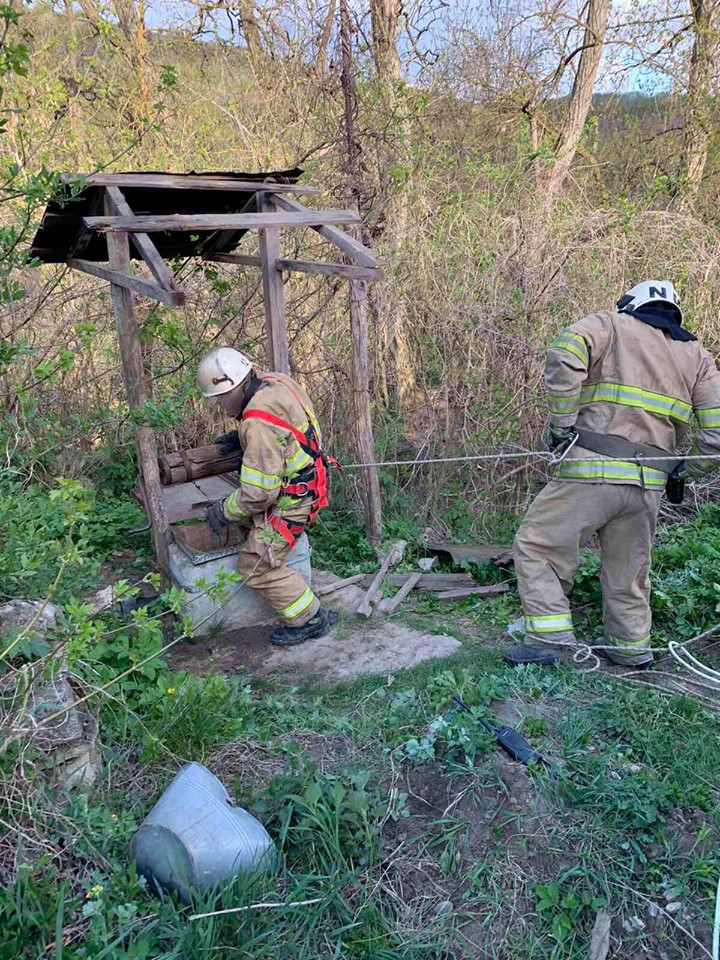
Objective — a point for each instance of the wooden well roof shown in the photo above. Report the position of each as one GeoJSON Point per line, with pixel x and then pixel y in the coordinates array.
{"type": "Point", "coordinates": [63, 234]}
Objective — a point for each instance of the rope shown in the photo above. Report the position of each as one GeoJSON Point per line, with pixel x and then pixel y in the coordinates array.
{"type": "Point", "coordinates": [709, 678]}
{"type": "Point", "coordinates": [645, 461]}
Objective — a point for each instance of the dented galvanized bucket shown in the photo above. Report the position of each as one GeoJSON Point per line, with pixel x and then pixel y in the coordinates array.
{"type": "Point", "coordinates": [194, 837]}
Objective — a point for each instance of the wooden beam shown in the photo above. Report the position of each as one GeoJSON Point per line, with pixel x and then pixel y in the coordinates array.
{"type": "Point", "coordinates": [138, 394]}
{"type": "Point", "coordinates": [365, 442]}
{"type": "Point", "coordinates": [146, 288]}
{"type": "Point", "coordinates": [219, 221]}
{"type": "Point", "coordinates": [142, 242]}
{"type": "Point", "coordinates": [273, 296]}
{"type": "Point", "coordinates": [184, 181]}
{"type": "Point", "coordinates": [356, 250]}
{"type": "Point", "coordinates": [242, 259]}
{"type": "Point", "coordinates": [345, 270]}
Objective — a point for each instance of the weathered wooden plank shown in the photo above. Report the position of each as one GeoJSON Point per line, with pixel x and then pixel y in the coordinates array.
{"type": "Point", "coordinates": [428, 581]}
{"type": "Point", "coordinates": [287, 265]}
{"type": "Point", "coordinates": [137, 394]}
{"type": "Point", "coordinates": [182, 222]}
{"type": "Point", "coordinates": [146, 288]}
{"type": "Point", "coordinates": [365, 608]}
{"type": "Point", "coordinates": [392, 558]}
{"type": "Point", "coordinates": [348, 271]}
{"type": "Point", "coordinates": [180, 181]}
{"type": "Point", "coordinates": [242, 259]}
{"type": "Point", "coordinates": [273, 295]}
{"type": "Point", "coordinates": [339, 585]}
{"type": "Point", "coordinates": [493, 590]}
{"type": "Point", "coordinates": [390, 604]}
{"type": "Point", "coordinates": [356, 250]}
{"type": "Point", "coordinates": [142, 242]}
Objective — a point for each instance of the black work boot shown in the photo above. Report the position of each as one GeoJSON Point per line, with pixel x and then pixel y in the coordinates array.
{"type": "Point", "coordinates": [317, 627]}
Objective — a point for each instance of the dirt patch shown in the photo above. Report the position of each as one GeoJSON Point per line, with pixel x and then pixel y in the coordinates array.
{"type": "Point", "coordinates": [351, 649]}
{"type": "Point", "coordinates": [237, 651]}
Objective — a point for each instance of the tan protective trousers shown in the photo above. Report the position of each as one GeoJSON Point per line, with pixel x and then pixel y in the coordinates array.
{"type": "Point", "coordinates": [559, 523]}
{"type": "Point", "coordinates": [263, 566]}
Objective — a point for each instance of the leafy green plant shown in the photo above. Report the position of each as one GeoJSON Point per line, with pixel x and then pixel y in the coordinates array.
{"type": "Point", "coordinates": [566, 911]}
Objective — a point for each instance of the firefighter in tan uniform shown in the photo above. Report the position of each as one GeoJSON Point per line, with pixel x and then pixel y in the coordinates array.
{"type": "Point", "coordinates": [620, 384]}
{"type": "Point", "coordinates": [283, 483]}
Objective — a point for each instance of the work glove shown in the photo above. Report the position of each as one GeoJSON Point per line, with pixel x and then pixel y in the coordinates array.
{"type": "Point", "coordinates": [215, 517]}
{"type": "Point", "coordinates": [228, 442]}
{"type": "Point", "coordinates": [559, 435]}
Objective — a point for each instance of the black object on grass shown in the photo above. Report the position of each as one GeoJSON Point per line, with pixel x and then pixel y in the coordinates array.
{"type": "Point", "coordinates": [510, 740]}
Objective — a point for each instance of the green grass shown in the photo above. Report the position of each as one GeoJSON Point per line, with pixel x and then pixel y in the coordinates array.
{"type": "Point", "coordinates": [383, 801]}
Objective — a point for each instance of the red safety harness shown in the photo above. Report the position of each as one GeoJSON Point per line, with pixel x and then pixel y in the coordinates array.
{"type": "Point", "coordinates": [317, 484]}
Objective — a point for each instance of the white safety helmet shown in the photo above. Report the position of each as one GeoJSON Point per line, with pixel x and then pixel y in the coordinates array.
{"type": "Point", "coordinates": [650, 291]}
{"type": "Point", "coordinates": [222, 370]}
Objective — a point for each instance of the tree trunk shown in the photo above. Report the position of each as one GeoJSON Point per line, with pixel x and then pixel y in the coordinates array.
{"type": "Point", "coordinates": [385, 18]}
{"type": "Point", "coordinates": [325, 39]}
{"type": "Point", "coordinates": [365, 445]}
{"type": "Point", "coordinates": [250, 29]}
{"type": "Point", "coordinates": [391, 308]}
{"type": "Point", "coordinates": [580, 98]}
{"type": "Point", "coordinates": [703, 65]}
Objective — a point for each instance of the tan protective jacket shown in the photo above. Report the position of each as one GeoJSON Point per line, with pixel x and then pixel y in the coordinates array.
{"type": "Point", "coordinates": [613, 374]}
{"type": "Point", "coordinates": [271, 455]}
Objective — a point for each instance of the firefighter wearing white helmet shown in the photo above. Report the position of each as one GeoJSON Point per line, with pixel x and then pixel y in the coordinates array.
{"type": "Point", "coordinates": [283, 484]}
{"type": "Point", "coordinates": [222, 370]}
{"type": "Point", "coordinates": [623, 385]}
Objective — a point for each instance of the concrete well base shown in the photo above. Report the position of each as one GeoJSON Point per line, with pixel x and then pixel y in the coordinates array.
{"type": "Point", "coordinates": [244, 608]}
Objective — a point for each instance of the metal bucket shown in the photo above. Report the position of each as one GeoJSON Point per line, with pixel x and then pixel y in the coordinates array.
{"type": "Point", "coordinates": [194, 838]}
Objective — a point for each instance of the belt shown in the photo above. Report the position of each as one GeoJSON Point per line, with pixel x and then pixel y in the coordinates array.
{"type": "Point", "coordinates": [621, 449]}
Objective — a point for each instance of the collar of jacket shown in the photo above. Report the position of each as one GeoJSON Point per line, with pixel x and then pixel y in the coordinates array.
{"type": "Point", "coordinates": [252, 389]}
{"type": "Point", "coordinates": [663, 318]}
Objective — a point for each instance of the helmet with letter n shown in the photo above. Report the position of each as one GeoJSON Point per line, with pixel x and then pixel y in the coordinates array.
{"type": "Point", "coordinates": [222, 370]}
{"type": "Point", "coordinates": [650, 292]}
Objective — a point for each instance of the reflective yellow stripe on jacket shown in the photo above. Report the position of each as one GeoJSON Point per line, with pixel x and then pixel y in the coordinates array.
{"type": "Point", "coordinates": [708, 418]}
{"type": "Point", "coordinates": [256, 478]}
{"type": "Point", "coordinates": [656, 403]}
{"type": "Point", "coordinates": [609, 470]}
{"type": "Point", "coordinates": [232, 509]}
{"type": "Point", "coordinates": [564, 404]}
{"type": "Point", "coordinates": [297, 462]}
{"type": "Point", "coordinates": [573, 343]}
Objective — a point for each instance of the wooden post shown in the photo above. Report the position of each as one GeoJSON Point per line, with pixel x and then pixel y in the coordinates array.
{"type": "Point", "coordinates": [359, 305]}
{"type": "Point", "coordinates": [273, 294]}
{"type": "Point", "coordinates": [365, 442]}
{"type": "Point", "coordinates": [137, 394]}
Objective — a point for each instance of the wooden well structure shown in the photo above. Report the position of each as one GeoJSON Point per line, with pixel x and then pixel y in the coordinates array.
{"type": "Point", "coordinates": [151, 217]}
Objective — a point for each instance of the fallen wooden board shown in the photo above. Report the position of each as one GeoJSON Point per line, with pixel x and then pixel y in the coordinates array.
{"type": "Point", "coordinates": [393, 557]}
{"type": "Point", "coordinates": [390, 604]}
{"type": "Point", "coordinates": [428, 581]}
{"type": "Point", "coordinates": [338, 585]}
{"type": "Point", "coordinates": [492, 590]}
